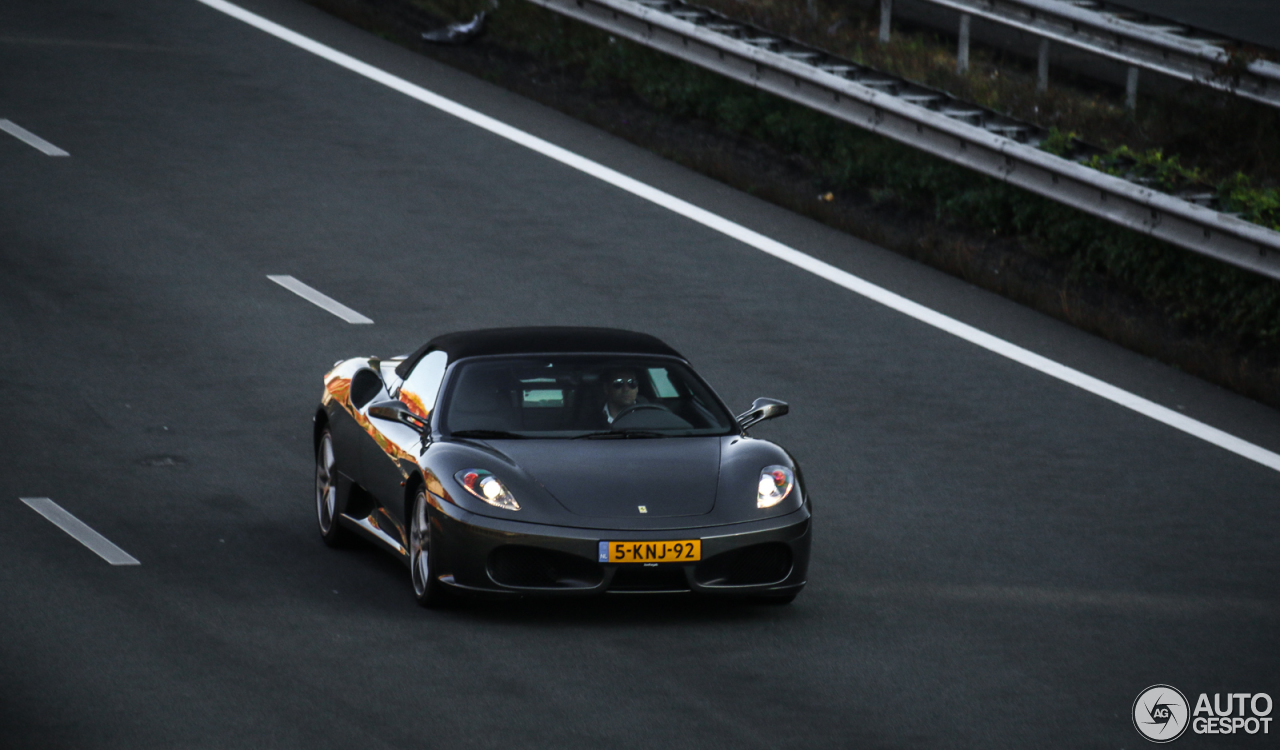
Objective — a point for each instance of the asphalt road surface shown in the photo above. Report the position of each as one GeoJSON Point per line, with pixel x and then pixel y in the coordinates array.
{"type": "Point", "coordinates": [1001, 559]}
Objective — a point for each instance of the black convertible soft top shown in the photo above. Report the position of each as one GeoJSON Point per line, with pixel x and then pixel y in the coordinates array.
{"type": "Point", "coordinates": [537, 340]}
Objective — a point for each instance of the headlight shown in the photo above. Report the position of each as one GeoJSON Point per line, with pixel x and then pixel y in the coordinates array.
{"type": "Point", "coordinates": [486, 486]}
{"type": "Point", "coordinates": [775, 484]}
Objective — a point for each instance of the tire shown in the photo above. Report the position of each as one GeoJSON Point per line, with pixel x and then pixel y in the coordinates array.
{"type": "Point", "coordinates": [427, 589]}
{"type": "Point", "coordinates": [331, 531]}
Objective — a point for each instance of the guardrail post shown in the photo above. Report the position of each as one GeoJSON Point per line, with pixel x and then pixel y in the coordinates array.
{"type": "Point", "coordinates": [1131, 89]}
{"type": "Point", "coordinates": [886, 10]}
{"type": "Point", "coordinates": [962, 53]}
{"type": "Point", "coordinates": [1042, 67]}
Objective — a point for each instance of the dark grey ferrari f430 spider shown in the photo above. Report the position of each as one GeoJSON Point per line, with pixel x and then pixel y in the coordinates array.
{"type": "Point", "coordinates": [557, 462]}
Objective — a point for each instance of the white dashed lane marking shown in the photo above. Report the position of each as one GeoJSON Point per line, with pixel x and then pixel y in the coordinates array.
{"type": "Point", "coordinates": [79, 531]}
{"type": "Point", "coordinates": [31, 139]}
{"type": "Point", "coordinates": [320, 300]}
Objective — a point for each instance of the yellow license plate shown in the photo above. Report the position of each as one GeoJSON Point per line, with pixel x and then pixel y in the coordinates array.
{"type": "Point", "coordinates": [683, 550]}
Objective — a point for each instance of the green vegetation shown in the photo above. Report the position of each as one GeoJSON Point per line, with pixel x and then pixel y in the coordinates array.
{"type": "Point", "coordinates": [1237, 193]}
{"type": "Point", "coordinates": [1259, 205]}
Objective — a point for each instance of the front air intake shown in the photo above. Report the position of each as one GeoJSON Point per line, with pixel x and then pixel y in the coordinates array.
{"type": "Point", "coordinates": [532, 567]}
{"type": "Point", "coordinates": [757, 565]}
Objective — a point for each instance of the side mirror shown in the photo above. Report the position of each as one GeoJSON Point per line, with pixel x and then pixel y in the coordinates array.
{"type": "Point", "coordinates": [396, 411]}
{"type": "Point", "coordinates": [762, 409]}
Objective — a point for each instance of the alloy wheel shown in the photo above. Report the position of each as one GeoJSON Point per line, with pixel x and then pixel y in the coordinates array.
{"type": "Point", "coordinates": [326, 487]}
{"type": "Point", "coordinates": [419, 545]}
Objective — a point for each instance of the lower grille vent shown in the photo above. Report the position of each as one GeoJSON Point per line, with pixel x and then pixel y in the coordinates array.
{"type": "Point", "coordinates": [756, 565]}
{"type": "Point", "coordinates": [531, 567]}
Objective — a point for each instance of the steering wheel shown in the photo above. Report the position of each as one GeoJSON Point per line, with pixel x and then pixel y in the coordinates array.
{"type": "Point", "coordinates": [638, 407]}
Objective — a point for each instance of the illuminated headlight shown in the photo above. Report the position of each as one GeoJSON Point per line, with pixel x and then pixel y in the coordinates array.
{"type": "Point", "coordinates": [486, 486]}
{"type": "Point", "coordinates": [775, 484]}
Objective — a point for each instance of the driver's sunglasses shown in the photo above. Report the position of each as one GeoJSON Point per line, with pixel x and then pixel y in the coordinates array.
{"type": "Point", "coordinates": [619, 383]}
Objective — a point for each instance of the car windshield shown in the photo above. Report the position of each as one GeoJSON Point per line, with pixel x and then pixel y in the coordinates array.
{"type": "Point", "coordinates": [580, 396]}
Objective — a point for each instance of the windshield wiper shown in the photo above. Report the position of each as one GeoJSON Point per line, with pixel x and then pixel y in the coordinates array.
{"type": "Point", "coordinates": [617, 434]}
{"type": "Point", "coordinates": [487, 434]}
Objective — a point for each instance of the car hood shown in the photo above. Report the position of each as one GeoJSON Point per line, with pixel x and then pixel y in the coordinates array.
{"type": "Point", "coordinates": [668, 477]}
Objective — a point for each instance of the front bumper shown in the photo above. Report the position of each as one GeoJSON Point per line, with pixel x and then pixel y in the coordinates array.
{"type": "Point", "coordinates": [479, 554]}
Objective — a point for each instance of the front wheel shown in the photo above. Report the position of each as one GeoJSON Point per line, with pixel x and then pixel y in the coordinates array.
{"type": "Point", "coordinates": [331, 531]}
{"type": "Point", "coordinates": [427, 589]}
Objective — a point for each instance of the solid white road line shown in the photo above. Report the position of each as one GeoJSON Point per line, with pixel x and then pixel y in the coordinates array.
{"type": "Point", "coordinates": [320, 300]}
{"type": "Point", "coordinates": [31, 139]}
{"type": "Point", "coordinates": [78, 530]}
{"type": "Point", "coordinates": [772, 247]}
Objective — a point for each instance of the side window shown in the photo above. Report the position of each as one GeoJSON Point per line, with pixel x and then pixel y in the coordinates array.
{"type": "Point", "coordinates": [364, 386]}
{"type": "Point", "coordinates": [423, 384]}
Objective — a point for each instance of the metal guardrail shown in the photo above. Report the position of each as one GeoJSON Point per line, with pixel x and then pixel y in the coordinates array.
{"type": "Point", "coordinates": [1135, 39]}
{"type": "Point", "coordinates": [929, 120]}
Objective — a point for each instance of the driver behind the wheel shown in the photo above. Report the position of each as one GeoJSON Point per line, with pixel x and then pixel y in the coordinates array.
{"type": "Point", "coordinates": [621, 391]}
